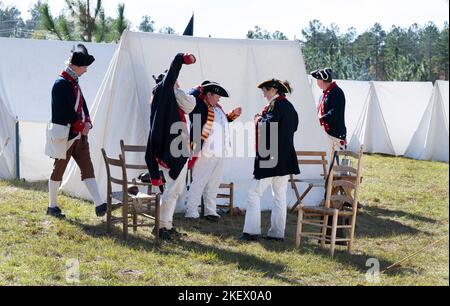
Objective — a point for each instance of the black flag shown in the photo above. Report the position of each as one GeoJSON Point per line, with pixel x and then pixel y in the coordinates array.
{"type": "Point", "coordinates": [190, 27]}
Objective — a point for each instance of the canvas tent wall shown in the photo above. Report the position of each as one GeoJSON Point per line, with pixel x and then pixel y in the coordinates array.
{"type": "Point", "coordinates": [7, 143]}
{"type": "Point", "coordinates": [390, 116]}
{"type": "Point", "coordinates": [356, 93]}
{"type": "Point", "coordinates": [430, 141]}
{"type": "Point", "coordinates": [121, 109]}
{"type": "Point", "coordinates": [27, 71]}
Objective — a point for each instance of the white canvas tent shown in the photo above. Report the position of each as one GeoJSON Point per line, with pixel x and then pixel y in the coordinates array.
{"type": "Point", "coordinates": [390, 116]}
{"type": "Point", "coordinates": [28, 69]}
{"type": "Point", "coordinates": [356, 93]}
{"type": "Point", "coordinates": [121, 109]}
{"type": "Point", "coordinates": [430, 142]}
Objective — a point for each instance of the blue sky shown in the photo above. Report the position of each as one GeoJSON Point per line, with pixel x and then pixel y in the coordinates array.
{"type": "Point", "coordinates": [233, 18]}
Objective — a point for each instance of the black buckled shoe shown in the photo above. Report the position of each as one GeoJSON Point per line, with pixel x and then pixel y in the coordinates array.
{"type": "Point", "coordinates": [55, 212]}
{"type": "Point", "coordinates": [177, 234]}
{"type": "Point", "coordinates": [165, 234]}
{"type": "Point", "coordinates": [212, 218]}
{"type": "Point", "coordinates": [100, 211]}
{"type": "Point", "coordinates": [268, 238]}
{"type": "Point", "coordinates": [248, 237]}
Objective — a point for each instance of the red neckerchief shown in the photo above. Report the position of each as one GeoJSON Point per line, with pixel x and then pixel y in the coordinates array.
{"type": "Point", "coordinates": [321, 109]}
{"type": "Point", "coordinates": [263, 112]}
{"type": "Point", "coordinates": [75, 87]}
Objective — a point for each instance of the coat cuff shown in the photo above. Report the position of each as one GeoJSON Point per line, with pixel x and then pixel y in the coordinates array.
{"type": "Point", "coordinates": [322, 122]}
{"type": "Point", "coordinates": [78, 126]}
{"type": "Point", "coordinates": [158, 182]}
{"type": "Point", "coordinates": [187, 59]}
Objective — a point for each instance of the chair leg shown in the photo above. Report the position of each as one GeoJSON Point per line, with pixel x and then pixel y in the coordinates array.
{"type": "Point", "coordinates": [334, 231]}
{"type": "Point", "coordinates": [324, 231]}
{"type": "Point", "coordinates": [298, 235]}
{"type": "Point", "coordinates": [134, 222]}
{"type": "Point", "coordinates": [352, 236]}
{"type": "Point", "coordinates": [125, 220]}
{"type": "Point", "coordinates": [108, 216]}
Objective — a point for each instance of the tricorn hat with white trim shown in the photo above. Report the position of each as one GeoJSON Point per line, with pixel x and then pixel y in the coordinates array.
{"type": "Point", "coordinates": [80, 56]}
{"type": "Point", "coordinates": [215, 88]}
{"type": "Point", "coordinates": [325, 74]}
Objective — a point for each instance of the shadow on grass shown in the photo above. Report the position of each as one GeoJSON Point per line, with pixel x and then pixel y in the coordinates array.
{"type": "Point", "coordinates": [381, 212]}
{"type": "Point", "coordinates": [244, 261]}
{"type": "Point", "coordinates": [41, 186]}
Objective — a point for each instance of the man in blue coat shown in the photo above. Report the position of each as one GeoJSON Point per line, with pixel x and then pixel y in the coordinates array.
{"type": "Point", "coordinates": [69, 108]}
{"type": "Point", "coordinates": [331, 109]}
{"type": "Point", "coordinates": [168, 142]}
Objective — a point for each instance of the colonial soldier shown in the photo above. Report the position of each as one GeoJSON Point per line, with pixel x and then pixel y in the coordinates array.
{"type": "Point", "coordinates": [69, 109]}
{"type": "Point", "coordinates": [209, 123]}
{"type": "Point", "coordinates": [331, 109]}
{"type": "Point", "coordinates": [165, 149]}
{"type": "Point", "coordinates": [275, 127]}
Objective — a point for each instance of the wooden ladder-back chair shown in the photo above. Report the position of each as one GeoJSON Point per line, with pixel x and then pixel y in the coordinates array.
{"type": "Point", "coordinates": [133, 205]}
{"type": "Point", "coordinates": [336, 205]}
{"type": "Point", "coordinates": [313, 158]}
{"type": "Point", "coordinates": [143, 167]}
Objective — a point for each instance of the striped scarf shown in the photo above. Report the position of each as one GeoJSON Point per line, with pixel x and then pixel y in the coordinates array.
{"type": "Point", "coordinates": [209, 123]}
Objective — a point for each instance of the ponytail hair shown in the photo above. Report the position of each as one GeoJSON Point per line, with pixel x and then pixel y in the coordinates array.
{"type": "Point", "coordinates": [286, 89]}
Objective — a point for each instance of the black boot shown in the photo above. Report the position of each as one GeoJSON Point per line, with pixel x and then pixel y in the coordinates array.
{"type": "Point", "coordinates": [248, 237]}
{"type": "Point", "coordinates": [55, 212]}
{"type": "Point", "coordinates": [100, 211]}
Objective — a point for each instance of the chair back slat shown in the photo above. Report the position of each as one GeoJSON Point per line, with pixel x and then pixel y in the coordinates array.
{"type": "Point", "coordinates": [345, 184]}
{"type": "Point", "coordinates": [320, 159]}
{"type": "Point", "coordinates": [116, 181]}
{"type": "Point", "coordinates": [344, 169]}
{"type": "Point", "coordinates": [128, 166]}
{"type": "Point", "coordinates": [115, 163]}
{"type": "Point", "coordinates": [312, 153]}
{"type": "Point", "coordinates": [138, 149]}
{"type": "Point", "coordinates": [348, 153]}
{"type": "Point", "coordinates": [136, 167]}
{"type": "Point", "coordinates": [312, 162]}
{"type": "Point", "coordinates": [342, 199]}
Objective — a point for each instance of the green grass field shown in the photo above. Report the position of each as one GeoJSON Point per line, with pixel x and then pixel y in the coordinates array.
{"type": "Point", "coordinates": [406, 209]}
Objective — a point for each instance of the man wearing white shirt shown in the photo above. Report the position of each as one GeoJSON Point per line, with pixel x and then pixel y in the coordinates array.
{"type": "Point", "coordinates": [210, 138]}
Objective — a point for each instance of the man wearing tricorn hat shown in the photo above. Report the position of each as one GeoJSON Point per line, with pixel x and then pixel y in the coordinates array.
{"type": "Point", "coordinates": [70, 113]}
{"type": "Point", "coordinates": [275, 129]}
{"type": "Point", "coordinates": [210, 138]}
{"type": "Point", "coordinates": [331, 110]}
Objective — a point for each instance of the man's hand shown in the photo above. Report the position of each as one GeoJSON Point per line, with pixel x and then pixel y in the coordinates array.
{"type": "Point", "coordinates": [237, 111]}
{"type": "Point", "coordinates": [87, 129]}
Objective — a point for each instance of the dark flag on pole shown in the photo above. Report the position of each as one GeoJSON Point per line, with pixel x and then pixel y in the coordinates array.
{"type": "Point", "coordinates": [189, 31]}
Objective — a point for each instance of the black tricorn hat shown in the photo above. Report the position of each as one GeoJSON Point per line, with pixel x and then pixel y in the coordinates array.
{"type": "Point", "coordinates": [275, 83]}
{"type": "Point", "coordinates": [325, 74]}
{"type": "Point", "coordinates": [80, 56]}
{"type": "Point", "coordinates": [215, 88]}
